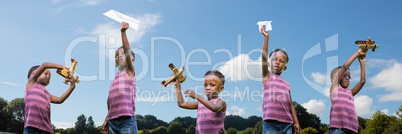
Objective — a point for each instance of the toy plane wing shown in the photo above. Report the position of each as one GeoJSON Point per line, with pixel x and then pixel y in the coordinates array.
{"type": "Point", "coordinates": [177, 74]}
{"type": "Point", "coordinates": [367, 44]}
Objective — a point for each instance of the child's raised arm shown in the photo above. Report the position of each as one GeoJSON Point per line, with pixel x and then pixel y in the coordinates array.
{"type": "Point", "coordinates": [43, 67]}
{"type": "Point", "coordinates": [40, 70]}
{"type": "Point", "coordinates": [345, 67]}
{"type": "Point", "coordinates": [180, 101]}
{"type": "Point", "coordinates": [360, 84]}
{"type": "Point", "coordinates": [127, 49]}
{"type": "Point", "coordinates": [65, 95]}
{"type": "Point", "coordinates": [219, 106]}
{"type": "Point", "coordinates": [264, 54]}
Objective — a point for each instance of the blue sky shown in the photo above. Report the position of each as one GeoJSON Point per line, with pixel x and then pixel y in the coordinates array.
{"type": "Point", "coordinates": [201, 35]}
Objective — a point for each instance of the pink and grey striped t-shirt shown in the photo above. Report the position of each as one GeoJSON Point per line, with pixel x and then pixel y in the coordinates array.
{"type": "Point", "coordinates": [209, 122]}
{"type": "Point", "coordinates": [343, 112]}
{"type": "Point", "coordinates": [37, 108]}
{"type": "Point", "coordinates": [276, 100]}
{"type": "Point", "coordinates": [121, 97]}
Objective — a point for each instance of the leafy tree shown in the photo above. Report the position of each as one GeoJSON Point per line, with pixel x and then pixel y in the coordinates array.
{"type": "Point", "coordinates": [235, 121]}
{"type": "Point", "coordinates": [15, 111]}
{"type": "Point", "coordinates": [309, 130]}
{"type": "Point", "coordinates": [258, 128]}
{"type": "Point", "coordinates": [90, 126]}
{"type": "Point", "coordinates": [3, 115]}
{"type": "Point", "coordinates": [323, 128]}
{"type": "Point", "coordinates": [80, 125]}
{"type": "Point", "coordinates": [160, 130]}
{"type": "Point", "coordinates": [399, 112]}
{"type": "Point", "coordinates": [395, 126]}
{"type": "Point", "coordinates": [377, 124]}
{"type": "Point", "coordinates": [248, 130]}
{"type": "Point", "coordinates": [185, 121]}
{"type": "Point", "coordinates": [362, 123]}
{"type": "Point", "coordinates": [231, 131]}
{"type": "Point", "coordinates": [149, 122]}
{"type": "Point", "coordinates": [306, 119]}
{"type": "Point", "coordinates": [175, 128]}
{"type": "Point", "coordinates": [252, 120]}
{"type": "Point", "coordinates": [190, 129]}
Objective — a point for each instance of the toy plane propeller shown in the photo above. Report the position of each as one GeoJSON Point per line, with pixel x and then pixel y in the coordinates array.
{"type": "Point", "coordinates": [66, 73]}
{"type": "Point", "coordinates": [177, 74]}
{"type": "Point", "coordinates": [367, 44]}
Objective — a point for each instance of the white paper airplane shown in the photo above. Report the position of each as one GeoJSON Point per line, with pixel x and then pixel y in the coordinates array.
{"type": "Point", "coordinates": [119, 17]}
{"type": "Point", "coordinates": [267, 24]}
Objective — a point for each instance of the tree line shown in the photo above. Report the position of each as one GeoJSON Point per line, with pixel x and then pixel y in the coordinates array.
{"type": "Point", "coordinates": [12, 120]}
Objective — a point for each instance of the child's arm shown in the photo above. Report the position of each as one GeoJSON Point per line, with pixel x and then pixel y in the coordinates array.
{"type": "Point", "coordinates": [40, 70]}
{"type": "Point", "coordinates": [296, 124]}
{"type": "Point", "coordinates": [360, 84]}
{"type": "Point", "coordinates": [127, 49]}
{"type": "Point", "coordinates": [345, 66]}
{"type": "Point", "coordinates": [180, 101]}
{"type": "Point", "coordinates": [65, 95]}
{"type": "Point", "coordinates": [264, 55]}
{"type": "Point", "coordinates": [219, 106]}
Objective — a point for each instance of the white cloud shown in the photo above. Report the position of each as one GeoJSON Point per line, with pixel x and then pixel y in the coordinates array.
{"type": "Point", "coordinates": [385, 111]}
{"type": "Point", "coordinates": [75, 4]}
{"type": "Point", "coordinates": [242, 67]}
{"type": "Point", "coordinates": [378, 63]}
{"type": "Point", "coordinates": [363, 104]}
{"type": "Point", "coordinates": [8, 83]}
{"type": "Point", "coordinates": [63, 125]}
{"type": "Point", "coordinates": [318, 78]}
{"type": "Point", "coordinates": [315, 107]}
{"type": "Point", "coordinates": [235, 110]}
{"type": "Point", "coordinates": [390, 80]}
{"type": "Point", "coordinates": [92, 2]}
{"type": "Point", "coordinates": [326, 92]}
{"type": "Point", "coordinates": [55, 1]}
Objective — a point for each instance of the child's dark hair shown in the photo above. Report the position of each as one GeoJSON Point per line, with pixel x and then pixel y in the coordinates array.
{"type": "Point", "coordinates": [132, 53]}
{"type": "Point", "coordinates": [335, 70]}
{"type": "Point", "coordinates": [218, 74]}
{"type": "Point", "coordinates": [280, 50]}
{"type": "Point", "coordinates": [33, 68]}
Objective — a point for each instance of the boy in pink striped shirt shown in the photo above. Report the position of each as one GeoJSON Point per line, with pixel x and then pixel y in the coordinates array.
{"type": "Point", "coordinates": [120, 118]}
{"type": "Point", "coordinates": [37, 99]}
{"type": "Point", "coordinates": [343, 117]}
{"type": "Point", "coordinates": [211, 111]}
{"type": "Point", "coordinates": [279, 114]}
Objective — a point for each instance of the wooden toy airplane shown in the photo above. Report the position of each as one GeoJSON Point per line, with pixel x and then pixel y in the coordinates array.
{"type": "Point", "coordinates": [177, 74]}
{"type": "Point", "coordinates": [367, 44]}
{"type": "Point", "coordinates": [66, 73]}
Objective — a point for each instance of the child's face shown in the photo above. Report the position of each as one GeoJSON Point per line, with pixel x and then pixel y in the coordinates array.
{"type": "Point", "coordinates": [345, 82]}
{"type": "Point", "coordinates": [44, 78]}
{"type": "Point", "coordinates": [119, 58]}
{"type": "Point", "coordinates": [212, 86]}
{"type": "Point", "coordinates": [278, 62]}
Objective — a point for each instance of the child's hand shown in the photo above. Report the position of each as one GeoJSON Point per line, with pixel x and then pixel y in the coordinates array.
{"type": "Point", "coordinates": [190, 93]}
{"type": "Point", "coordinates": [72, 80]}
{"type": "Point", "coordinates": [297, 128]}
{"type": "Point", "coordinates": [362, 59]}
{"type": "Point", "coordinates": [105, 128]}
{"type": "Point", "coordinates": [264, 33]}
{"type": "Point", "coordinates": [124, 26]}
{"type": "Point", "coordinates": [361, 52]}
{"type": "Point", "coordinates": [177, 84]}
